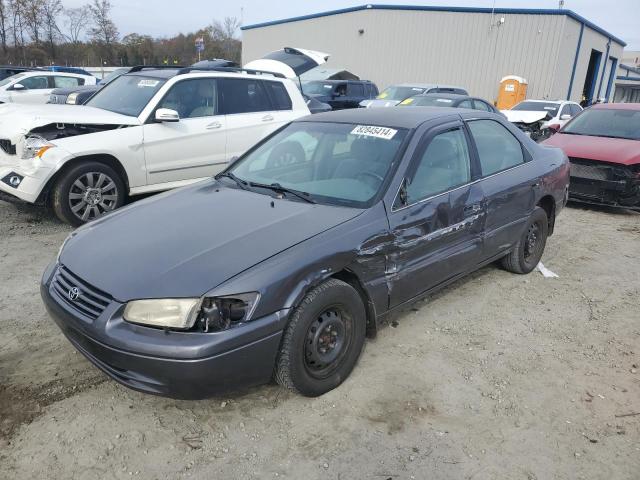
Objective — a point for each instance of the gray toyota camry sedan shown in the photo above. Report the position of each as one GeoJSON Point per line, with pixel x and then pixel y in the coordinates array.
{"type": "Point", "coordinates": [282, 265]}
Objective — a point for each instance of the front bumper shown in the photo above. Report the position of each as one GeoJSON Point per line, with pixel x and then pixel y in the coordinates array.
{"type": "Point", "coordinates": [604, 184]}
{"type": "Point", "coordinates": [185, 365]}
{"type": "Point", "coordinates": [33, 173]}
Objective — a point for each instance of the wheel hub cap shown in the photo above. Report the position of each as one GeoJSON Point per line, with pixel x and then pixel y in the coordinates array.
{"type": "Point", "coordinates": [325, 339]}
{"type": "Point", "coordinates": [92, 195]}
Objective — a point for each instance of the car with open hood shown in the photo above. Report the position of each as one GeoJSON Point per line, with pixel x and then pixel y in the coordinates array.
{"type": "Point", "coordinates": [283, 263]}
{"type": "Point", "coordinates": [393, 95]}
{"type": "Point", "coordinates": [540, 118]}
{"type": "Point", "coordinates": [603, 146]}
{"type": "Point", "coordinates": [146, 131]}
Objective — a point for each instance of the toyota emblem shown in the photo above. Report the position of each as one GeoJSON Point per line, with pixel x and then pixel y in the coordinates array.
{"type": "Point", "coordinates": [73, 293]}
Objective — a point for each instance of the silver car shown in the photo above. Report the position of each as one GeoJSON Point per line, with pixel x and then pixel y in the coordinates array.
{"type": "Point", "coordinates": [393, 95]}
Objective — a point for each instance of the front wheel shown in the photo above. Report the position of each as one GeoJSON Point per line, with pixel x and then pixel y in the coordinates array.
{"type": "Point", "coordinates": [86, 192]}
{"type": "Point", "coordinates": [323, 339]}
{"type": "Point", "coordinates": [530, 246]}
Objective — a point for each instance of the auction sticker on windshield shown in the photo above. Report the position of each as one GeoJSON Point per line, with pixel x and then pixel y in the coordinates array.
{"type": "Point", "coordinates": [148, 83]}
{"type": "Point", "coordinates": [371, 131]}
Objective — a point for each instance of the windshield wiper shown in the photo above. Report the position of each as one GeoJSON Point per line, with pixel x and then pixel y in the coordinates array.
{"type": "Point", "coordinates": [276, 187]}
{"type": "Point", "coordinates": [241, 183]}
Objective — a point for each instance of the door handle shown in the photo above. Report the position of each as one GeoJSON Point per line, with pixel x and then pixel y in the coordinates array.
{"type": "Point", "coordinates": [214, 126]}
{"type": "Point", "coordinates": [267, 118]}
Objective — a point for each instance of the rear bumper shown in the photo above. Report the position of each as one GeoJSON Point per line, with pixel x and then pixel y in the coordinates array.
{"type": "Point", "coordinates": [230, 360]}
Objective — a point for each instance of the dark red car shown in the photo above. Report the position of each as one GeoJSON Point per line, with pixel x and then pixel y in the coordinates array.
{"type": "Point", "coordinates": [603, 146]}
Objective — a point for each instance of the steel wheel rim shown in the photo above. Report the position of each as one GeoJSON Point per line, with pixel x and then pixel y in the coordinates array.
{"type": "Point", "coordinates": [532, 242]}
{"type": "Point", "coordinates": [327, 341]}
{"type": "Point", "coordinates": [92, 195]}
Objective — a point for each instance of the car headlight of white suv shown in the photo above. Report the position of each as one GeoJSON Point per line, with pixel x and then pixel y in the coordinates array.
{"type": "Point", "coordinates": [35, 146]}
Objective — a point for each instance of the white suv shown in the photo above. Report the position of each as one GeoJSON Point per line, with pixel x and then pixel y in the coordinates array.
{"type": "Point", "coordinates": [37, 85]}
{"type": "Point", "coordinates": [146, 131]}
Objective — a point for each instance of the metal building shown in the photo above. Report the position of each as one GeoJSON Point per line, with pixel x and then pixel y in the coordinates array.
{"type": "Point", "coordinates": [560, 53]}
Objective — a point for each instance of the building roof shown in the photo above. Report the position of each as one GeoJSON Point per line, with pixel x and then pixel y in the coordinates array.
{"type": "Point", "coordinates": [521, 11]}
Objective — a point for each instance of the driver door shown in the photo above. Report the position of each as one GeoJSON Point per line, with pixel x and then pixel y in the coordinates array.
{"type": "Point", "coordinates": [193, 147]}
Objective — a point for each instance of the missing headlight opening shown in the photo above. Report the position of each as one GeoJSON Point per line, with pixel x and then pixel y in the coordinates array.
{"type": "Point", "coordinates": [56, 131]}
{"type": "Point", "coordinates": [219, 313]}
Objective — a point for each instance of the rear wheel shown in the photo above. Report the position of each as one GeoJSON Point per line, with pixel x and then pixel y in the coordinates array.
{"type": "Point", "coordinates": [529, 249]}
{"type": "Point", "coordinates": [86, 192]}
{"type": "Point", "coordinates": [323, 340]}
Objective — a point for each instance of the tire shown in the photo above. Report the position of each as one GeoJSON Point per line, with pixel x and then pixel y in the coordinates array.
{"type": "Point", "coordinates": [525, 255]}
{"type": "Point", "coordinates": [103, 191]}
{"type": "Point", "coordinates": [331, 317]}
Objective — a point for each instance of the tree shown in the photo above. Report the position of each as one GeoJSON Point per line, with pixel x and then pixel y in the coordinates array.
{"type": "Point", "coordinates": [75, 22]}
{"type": "Point", "coordinates": [51, 9]}
{"type": "Point", "coordinates": [104, 32]}
{"type": "Point", "coordinates": [225, 33]}
{"type": "Point", "coordinates": [3, 25]}
{"type": "Point", "coordinates": [31, 11]}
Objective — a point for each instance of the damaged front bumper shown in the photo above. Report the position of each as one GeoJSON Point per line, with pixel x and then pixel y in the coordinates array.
{"type": "Point", "coordinates": [536, 130]}
{"type": "Point", "coordinates": [604, 183]}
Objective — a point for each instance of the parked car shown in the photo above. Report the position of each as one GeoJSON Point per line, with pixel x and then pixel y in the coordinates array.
{"type": "Point", "coordinates": [449, 100]}
{"type": "Point", "coordinates": [603, 145]}
{"type": "Point", "coordinates": [36, 86]}
{"type": "Point", "coordinates": [216, 63]}
{"type": "Point", "coordinates": [62, 68]}
{"type": "Point", "coordinates": [10, 70]}
{"type": "Point", "coordinates": [393, 95]}
{"type": "Point", "coordinates": [283, 263]}
{"type": "Point", "coordinates": [534, 117]}
{"type": "Point", "coordinates": [341, 94]}
{"type": "Point", "coordinates": [144, 132]}
{"type": "Point", "coordinates": [80, 94]}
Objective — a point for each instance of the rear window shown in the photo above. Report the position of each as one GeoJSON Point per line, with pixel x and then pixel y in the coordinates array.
{"type": "Point", "coordinates": [279, 95]}
{"type": "Point", "coordinates": [552, 108]}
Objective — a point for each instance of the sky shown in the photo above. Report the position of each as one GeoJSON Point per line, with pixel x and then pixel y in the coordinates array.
{"type": "Point", "coordinates": [161, 18]}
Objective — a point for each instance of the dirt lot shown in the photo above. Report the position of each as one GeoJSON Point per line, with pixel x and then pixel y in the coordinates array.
{"type": "Point", "coordinates": [498, 377]}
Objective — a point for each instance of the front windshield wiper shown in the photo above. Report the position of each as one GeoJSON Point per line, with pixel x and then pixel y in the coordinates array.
{"type": "Point", "coordinates": [241, 183]}
{"type": "Point", "coordinates": [571, 133]}
{"type": "Point", "coordinates": [276, 187]}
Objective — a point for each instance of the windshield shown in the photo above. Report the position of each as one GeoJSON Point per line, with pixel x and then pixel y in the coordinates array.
{"type": "Point", "coordinates": [606, 123]}
{"type": "Point", "coordinates": [399, 93]}
{"type": "Point", "coordinates": [113, 75]}
{"type": "Point", "coordinates": [10, 79]}
{"type": "Point", "coordinates": [127, 94]}
{"type": "Point", "coordinates": [318, 88]}
{"type": "Point", "coordinates": [538, 107]}
{"type": "Point", "coordinates": [423, 101]}
{"type": "Point", "coordinates": [335, 163]}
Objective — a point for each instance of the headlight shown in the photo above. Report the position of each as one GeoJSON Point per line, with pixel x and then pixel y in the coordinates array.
{"type": "Point", "coordinates": [178, 313]}
{"type": "Point", "coordinates": [72, 98]}
{"type": "Point", "coordinates": [209, 314]}
{"type": "Point", "coordinates": [35, 146]}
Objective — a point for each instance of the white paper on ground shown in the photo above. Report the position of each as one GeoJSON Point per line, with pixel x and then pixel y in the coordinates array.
{"type": "Point", "coordinates": [545, 271]}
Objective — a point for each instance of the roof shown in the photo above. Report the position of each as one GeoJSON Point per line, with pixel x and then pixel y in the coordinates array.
{"type": "Point", "coordinates": [514, 11]}
{"type": "Point", "coordinates": [386, 117]}
{"type": "Point", "coordinates": [159, 73]}
{"type": "Point", "coordinates": [616, 106]}
{"type": "Point", "coordinates": [451, 96]}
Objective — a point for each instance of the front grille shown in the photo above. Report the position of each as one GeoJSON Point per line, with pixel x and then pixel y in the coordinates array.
{"type": "Point", "coordinates": [89, 301]}
{"type": "Point", "coordinates": [7, 146]}
{"type": "Point", "coordinates": [592, 172]}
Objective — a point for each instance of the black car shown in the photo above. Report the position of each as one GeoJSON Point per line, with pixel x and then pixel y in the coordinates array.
{"type": "Point", "coordinates": [7, 71]}
{"type": "Point", "coordinates": [340, 94]}
{"type": "Point", "coordinates": [80, 94]}
{"type": "Point", "coordinates": [450, 100]}
{"type": "Point", "coordinates": [282, 264]}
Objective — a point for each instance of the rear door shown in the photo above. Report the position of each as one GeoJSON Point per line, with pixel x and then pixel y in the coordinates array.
{"type": "Point", "coordinates": [436, 220]}
{"type": "Point", "coordinates": [249, 113]}
{"type": "Point", "coordinates": [507, 186]}
{"type": "Point", "coordinates": [195, 146]}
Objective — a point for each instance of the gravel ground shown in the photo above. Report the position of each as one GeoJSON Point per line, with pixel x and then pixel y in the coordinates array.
{"type": "Point", "coordinates": [499, 376]}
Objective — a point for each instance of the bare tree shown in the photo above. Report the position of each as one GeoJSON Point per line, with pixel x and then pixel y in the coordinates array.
{"type": "Point", "coordinates": [4, 25]}
{"type": "Point", "coordinates": [225, 33]}
{"type": "Point", "coordinates": [32, 15]}
{"type": "Point", "coordinates": [51, 10]}
{"type": "Point", "coordinates": [75, 22]}
{"type": "Point", "coordinates": [104, 32]}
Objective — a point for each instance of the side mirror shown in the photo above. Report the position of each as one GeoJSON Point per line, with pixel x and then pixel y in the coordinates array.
{"type": "Point", "coordinates": [167, 115]}
{"type": "Point", "coordinates": [566, 116]}
{"type": "Point", "coordinates": [18, 86]}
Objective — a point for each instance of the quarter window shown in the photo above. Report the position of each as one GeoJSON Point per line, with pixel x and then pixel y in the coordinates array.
{"type": "Point", "coordinates": [497, 148]}
{"type": "Point", "coordinates": [443, 165]}
{"type": "Point", "coordinates": [193, 98]}
{"type": "Point", "coordinates": [244, 96]}
{"type": "Point", "coordinates": [279, 95]}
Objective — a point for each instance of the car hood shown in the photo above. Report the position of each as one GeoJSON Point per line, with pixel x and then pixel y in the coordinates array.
{"type": "Point", "coordinates": [16, 120]}
{"type": "Point", "coordinates": [379, 102]}
{"type": "Point", "coordinates": [612, 150]}
{"type": "Point", "coordinates": [521, 116]}
{"type": "Point", "coordinates": [186, 242]}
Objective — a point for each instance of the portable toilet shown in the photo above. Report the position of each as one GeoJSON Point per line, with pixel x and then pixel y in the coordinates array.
{"type": "Point", "coordinates": [513, 90]}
